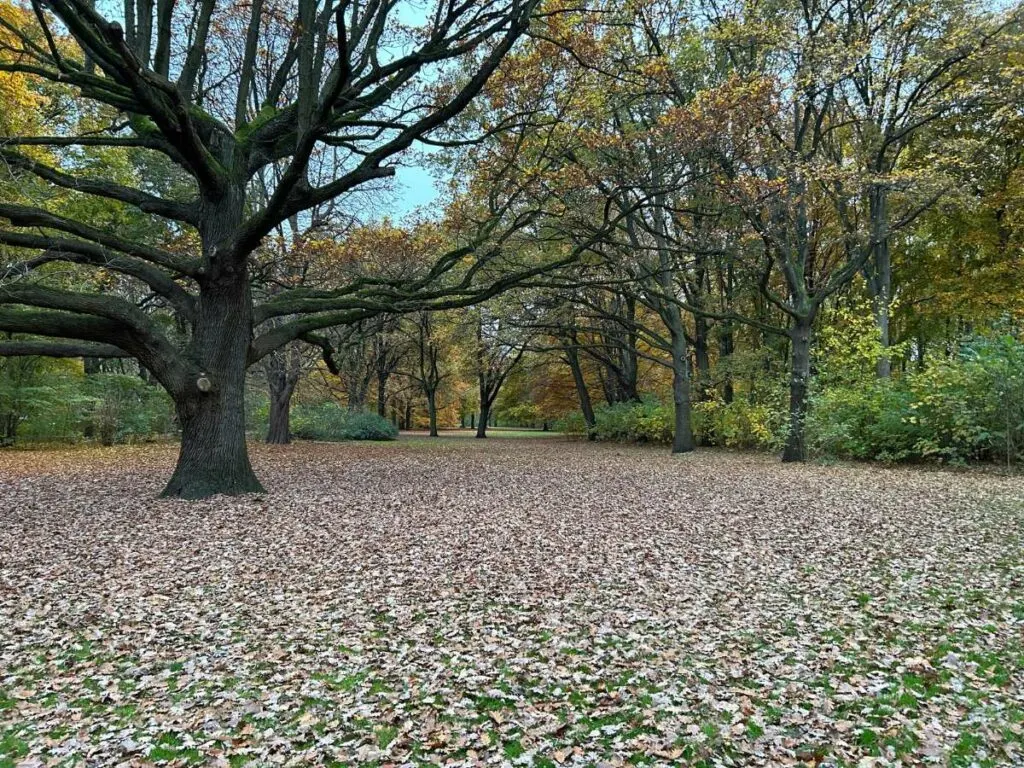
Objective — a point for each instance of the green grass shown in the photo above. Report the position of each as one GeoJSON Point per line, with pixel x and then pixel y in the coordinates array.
{"type": "Point", "coordinates": [496, 432]}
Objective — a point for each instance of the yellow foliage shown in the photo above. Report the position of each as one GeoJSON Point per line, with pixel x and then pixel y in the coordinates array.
{"type": "Point", "coordinates": [20, 101]}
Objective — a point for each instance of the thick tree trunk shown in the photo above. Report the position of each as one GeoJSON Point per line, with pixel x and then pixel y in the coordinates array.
{"type": "Point", "coordinates": [628, 386]}
{"type": "Point", "coordinates": [630, 358]}
{"type": "Point", "coordinates": [799, 379]}
{"type": "Point", "coordinates": [432, 412]}
{"type": "Point", "coordinates": [682, 438]}
{"type": "Point", "coordinates": [214, 457]}
{"type": "Point", "coordinates": [586, 406]}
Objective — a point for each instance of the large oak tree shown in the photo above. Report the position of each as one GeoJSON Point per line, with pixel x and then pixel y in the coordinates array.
{"type": "Point", "coordinates": [301, 101]}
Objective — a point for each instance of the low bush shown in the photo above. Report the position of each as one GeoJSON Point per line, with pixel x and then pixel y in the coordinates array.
{"type": "Point", "coordinates": [521, 415]}
{"type": "Point", "coordinates": [572, 424]}
{"type": "Point", "coordinates": [647, 421]}
{"type": "Point", "coordinates": [739, 424]}
{"type": "Point", "coordinates": [125, 409]}
{"type": "Point", "coordinates": [331, 422]}
{"type": "Point", "coordinates": [870, 421]}
{"type": "Point", "coordinates": [67, 406]}
{"type": "Point", "coordinates": [967, 408]}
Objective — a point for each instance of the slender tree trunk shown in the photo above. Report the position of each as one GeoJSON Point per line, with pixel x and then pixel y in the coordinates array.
{"type": "Point", "coordinates": [883, 305]}
{"type": "Point", "coordinates": [682, 437]}
{"type": "Point", "coordinates": [9, 428]}
{"type": "Point", "coordinates": [481, 424]}
{"type": "Point", "coordinates": [382, 392]}
{"type": "Point", "coordinates": [282, 377]}
{"type": "Point", "coordinates": [356, 396]}
{"type": "Point", "coordinates": [725, 350]}
{"type": "Point", "coordinates": [726, 335]}
{"type": "Point", "coordinates": [586, 406]}
{"type": "Point", "coordinates": [799, 379]}
{"type": "Point", "coordinates": [630, 359]}
{"type": "Point", "coordinates": [702, 357]}
{"type": "Point", "coordinates": [608, 383]}
{"type": "Point", "coordinates": [671, 315]}
{"type": "Point", "coordinates": [880, 275]}
{"type": "Point", "coordinates": [279, 428]}
{"type": "Point", "coordinates": [432, 412]}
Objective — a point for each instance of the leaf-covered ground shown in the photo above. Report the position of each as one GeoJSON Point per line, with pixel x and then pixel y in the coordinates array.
{"type": "Point", "coordinates": [509, 602]}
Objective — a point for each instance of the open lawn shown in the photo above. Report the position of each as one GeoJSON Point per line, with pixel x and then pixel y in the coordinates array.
{"type": "Point", "coordinates": [518, 602]}
{"type": "Point", "coordinates": [496, 432]}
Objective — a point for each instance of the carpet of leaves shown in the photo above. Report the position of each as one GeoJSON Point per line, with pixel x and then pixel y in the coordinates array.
{"type": "Point", "coordinates": [509, 602]}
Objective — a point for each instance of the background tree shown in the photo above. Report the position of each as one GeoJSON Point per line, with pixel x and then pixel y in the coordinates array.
{"type": "Point", "coordinates": [428, 367]}
{"type": "Point", "coordinates": [501, 343]}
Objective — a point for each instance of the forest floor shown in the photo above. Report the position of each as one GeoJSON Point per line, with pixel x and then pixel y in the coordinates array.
{"type": "Point", "coordinates": [509, 602]}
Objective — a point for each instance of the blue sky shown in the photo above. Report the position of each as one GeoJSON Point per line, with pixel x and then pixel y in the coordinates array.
{"type": "Point", "coordinates": [414, 187]}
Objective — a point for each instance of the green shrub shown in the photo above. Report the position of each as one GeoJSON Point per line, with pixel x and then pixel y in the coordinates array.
{"type": "Point", "coordinates": [739, 424]}
{"type": "Point", "coordinates": [1002, 359]}
{"type": "Point", "coordinates": [521, 415]}
{"type": "Point", "coordinates": [968, 408]}
{"type": "Point", "coordinates": [572, 424]}
{"type": "Point", "coordinates": [34, 393]}
{"type": "Point", "coordinates": [257, 410]}
{"type": "Point", "coordinates": [125, 409]}
{"type": "Point", "coordinates": [872, 421]}
{"type": "Point", "coordinates": [364, 425]}
{"type": "Point", "coordinates": [638, 422]}
{"type": "Point", "coordinates": [653, 423]}
{"type": "Point", "coordinates": [67, 406]}
{"type": "Point", "coordinates": [614, 422]}
{"type": "Point", "coordinates": [330, 422]}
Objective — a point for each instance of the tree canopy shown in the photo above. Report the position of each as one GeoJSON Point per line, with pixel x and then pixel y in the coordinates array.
{"type": "Point", "coordinates": [680, 199]}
